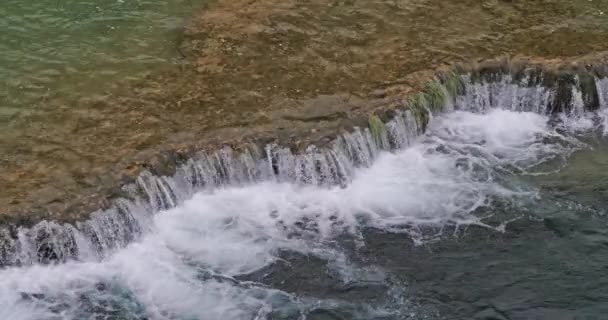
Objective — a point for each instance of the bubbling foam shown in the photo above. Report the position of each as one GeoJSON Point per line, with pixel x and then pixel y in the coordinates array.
{"type": "Point", "coordinates": [188, 265]}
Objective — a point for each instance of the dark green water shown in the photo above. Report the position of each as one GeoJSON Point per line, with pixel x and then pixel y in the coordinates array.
{"type": "Point", "coordinates": [73, 48]}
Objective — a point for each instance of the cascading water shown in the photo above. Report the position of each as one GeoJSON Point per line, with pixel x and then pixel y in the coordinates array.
{"type": "Point", "coordinates": [229, 222]}
{"type": "Point", "coordinates": [111, 229]}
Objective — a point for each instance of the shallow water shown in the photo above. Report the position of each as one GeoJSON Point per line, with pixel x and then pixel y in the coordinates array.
{"type": "Point", "coordinates": [491, 216]}
{"type": "Point", "coordinates": [71, 48]}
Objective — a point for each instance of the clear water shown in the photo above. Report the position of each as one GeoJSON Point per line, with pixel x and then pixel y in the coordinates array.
{"type": "Point", "coordinates": [74, 47]}
{"type": "Point", "coordinates": [487, 216]}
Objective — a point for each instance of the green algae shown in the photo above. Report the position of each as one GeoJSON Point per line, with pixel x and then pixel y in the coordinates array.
{"type": "Point", "coordinates": [417, 101]}
{"type": "Point", "coordinates": [454, 84]}
{"type": "Point", "coordinates": [377, 129]}
{"type": "Point", "coordinates": [435, 96]}
{"type": "Point", "coordinates": [418, 106]}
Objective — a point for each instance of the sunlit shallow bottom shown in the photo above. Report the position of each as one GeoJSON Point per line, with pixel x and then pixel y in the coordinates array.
{"type": "Point", "coordinates": [493, 216]}
{"type": "Point", "coordinates": [77, 48]}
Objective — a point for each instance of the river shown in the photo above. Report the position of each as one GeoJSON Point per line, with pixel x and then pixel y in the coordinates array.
{"type": "Point", "coordinates": [499, 215]}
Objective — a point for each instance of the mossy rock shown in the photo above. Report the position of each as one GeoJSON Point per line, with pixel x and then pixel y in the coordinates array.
{"type": "Point", "coordinates": [417, 105]}
{"type": "Point", "coordinates": [417, 101]}
{"type": "Point", "coordinates": [435, 96]}
{"type": "Point", "coordinates": [377, 129]}
{"type": "Point", "coordinates": [422, 117]}
{"type": "Point", "coordinates": [453, 83]}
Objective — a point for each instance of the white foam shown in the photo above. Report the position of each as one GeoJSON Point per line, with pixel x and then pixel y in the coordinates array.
{"type": "Point", "coordinates": [441, 180]}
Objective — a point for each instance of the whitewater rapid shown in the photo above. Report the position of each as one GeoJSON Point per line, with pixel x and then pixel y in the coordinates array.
{"type": "Point", "coordinates": [191, 263]}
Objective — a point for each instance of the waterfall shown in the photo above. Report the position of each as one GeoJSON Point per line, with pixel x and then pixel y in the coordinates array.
{"type": "Point", "coordinates": [504, 94]}
{"type": "Point", "coordinates": [602, 90]}
{"type": "Point", "coordinates": [129, 218]}
{"type": "Point", "coordinates": [530, 94]}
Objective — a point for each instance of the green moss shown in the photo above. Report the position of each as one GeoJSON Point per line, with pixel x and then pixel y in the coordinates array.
{"type": "Point", "coordinates": [435, 96]}
{"type": "Point", "coordinates": [418, 106]}
{"type": "Point", "coordinates": [377, 128]}
{"type": "Point", "coordinates": [454, 84]}
{"type": "Point", "coordinates": [460, 69]}
{"type": "Point", "coordinates": [422, 117]}
{"type": "Point", "coordinates": [417, 101]}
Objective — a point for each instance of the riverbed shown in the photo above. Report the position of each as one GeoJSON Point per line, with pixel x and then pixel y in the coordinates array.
{"type": "Point", "coordinates": [71, 49]}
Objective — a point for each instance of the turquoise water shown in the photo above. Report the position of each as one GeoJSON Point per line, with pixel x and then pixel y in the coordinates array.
{"type": "Point", "coordinates": [72, 48]}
